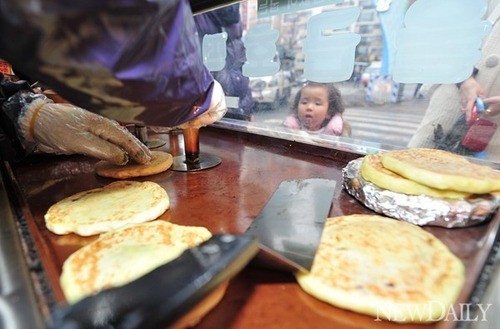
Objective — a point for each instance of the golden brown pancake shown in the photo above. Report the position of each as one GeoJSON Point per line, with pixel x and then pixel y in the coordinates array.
{"type": "Point", "coordinates": [373, 171]}
{"type": "Point", "coordinates": [123, 255]}
{"type": "Point", "coordinates": [442, 170]}
{"type": "Point", "coordinates": [106, 208]}
{"type": "Point", "coordinates": [160, 161]}
{"type": "Point", "coordinates": [385, 268]}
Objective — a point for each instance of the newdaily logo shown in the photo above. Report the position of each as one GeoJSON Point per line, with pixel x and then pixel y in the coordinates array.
{"type": "Point", "coordinates": [413, 313]}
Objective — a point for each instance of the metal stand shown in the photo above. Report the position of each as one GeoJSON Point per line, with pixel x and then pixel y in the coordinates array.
{"type": "Point", "coordinates": [141, 132]}
{"type": "Point", "coordinates": [174, 141]}
{"type": "Point", "coordinates": [193, 160]}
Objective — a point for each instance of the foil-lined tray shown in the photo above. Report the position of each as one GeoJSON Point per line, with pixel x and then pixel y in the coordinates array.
{"type": "Point", "coordinates": [419, 209]}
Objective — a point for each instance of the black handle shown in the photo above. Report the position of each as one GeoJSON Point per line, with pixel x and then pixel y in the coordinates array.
{"type": "Point", "coordinates": [162, 296]}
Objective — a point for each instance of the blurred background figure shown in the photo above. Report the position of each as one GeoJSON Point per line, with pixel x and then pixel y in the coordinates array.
{"type": "Point", "coordinates": [440, 127]}
{"type": "Point", "coordinates": [234, 83]}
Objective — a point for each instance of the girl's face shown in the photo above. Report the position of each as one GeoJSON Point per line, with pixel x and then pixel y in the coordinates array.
{"type": "Point", "coordinates": [313, 107]}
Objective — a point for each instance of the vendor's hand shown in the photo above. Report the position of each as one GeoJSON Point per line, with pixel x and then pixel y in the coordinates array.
{"type": "Point", "coordinates": [493, 105]}
{"type": "Point", "coordinates": [216, 111]}
{"type": "Point", "coordinates": [470, 90]}
{"type": "Point", "coordinates": [67, 129]}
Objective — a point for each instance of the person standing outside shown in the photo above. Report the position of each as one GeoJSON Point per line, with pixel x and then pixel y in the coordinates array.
{"type": "Point", "coordinates": [449, 101]}
{"type": "Point", "coordinates": [318, 108]}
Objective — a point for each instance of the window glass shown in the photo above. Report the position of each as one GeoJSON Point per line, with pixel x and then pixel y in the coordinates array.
{"type": "Point", "coordinates": [399, 73]}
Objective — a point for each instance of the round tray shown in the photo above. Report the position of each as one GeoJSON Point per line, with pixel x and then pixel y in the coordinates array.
{"type": "Point", "coordinates": [419, 209]}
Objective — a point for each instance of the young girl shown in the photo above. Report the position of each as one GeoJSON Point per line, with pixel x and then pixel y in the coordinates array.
{"type": "Point", "coordinates": [318, 108]}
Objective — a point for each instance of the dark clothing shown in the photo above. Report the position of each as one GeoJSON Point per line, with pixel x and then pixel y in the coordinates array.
{"type": "Point", "coordinates": [131, 60]}
{"type": "Point", "coordinates": [10, 141]}
{"type": "Point", "coordinates": [231, 78]}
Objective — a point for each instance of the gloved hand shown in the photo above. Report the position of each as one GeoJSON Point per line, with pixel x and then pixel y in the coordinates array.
{"type": "Point", "coordinates": [216, 111]}
{"type": "Point", "coordinates": [67, 129]}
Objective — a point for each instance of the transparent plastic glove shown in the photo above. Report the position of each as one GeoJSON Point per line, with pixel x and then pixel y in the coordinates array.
{"type": "Point", "coordinates": [216, 111]}
{"type": "Point", "coordinates": [67, 129]}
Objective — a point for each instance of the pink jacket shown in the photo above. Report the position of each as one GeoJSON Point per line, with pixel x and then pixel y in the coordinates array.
{"type": "Point", "coordinates": [334, 127]}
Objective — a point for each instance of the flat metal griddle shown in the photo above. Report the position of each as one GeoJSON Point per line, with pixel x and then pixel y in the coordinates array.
{"type": "Point", "coordinates": [227, 199]}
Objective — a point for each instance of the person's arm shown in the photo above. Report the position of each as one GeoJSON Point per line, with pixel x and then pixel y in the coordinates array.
{"type": "Point", "coordinates": [133, 60]}
{"type": "Point", "coordinates": [216, 111]}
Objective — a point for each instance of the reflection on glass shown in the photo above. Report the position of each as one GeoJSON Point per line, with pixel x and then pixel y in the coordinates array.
{"type": "Point", "coordinates": [328, 52]}
{"type": "Point", "coordinates": [221, 35]}
{"type": "Point", "coordinates": [404, 84]}
{"type": "Point", "coordinates": [441, 47]}
{"type": "Point", "coordinates": [260, 42]}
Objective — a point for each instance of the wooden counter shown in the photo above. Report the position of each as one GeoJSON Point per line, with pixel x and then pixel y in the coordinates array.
{"type": "Point", "coordinates": [226, 199]}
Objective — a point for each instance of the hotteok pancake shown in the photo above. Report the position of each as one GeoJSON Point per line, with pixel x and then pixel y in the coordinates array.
{"type": "Point", "coordinates": [385, 268]}
{"type": "Point", "coordinates": [160, 161]}
{"type": "Point", "coordinates": [442, 170]}
{"type": "Point", "coordinates": [106, 208]}
{"type": "Point", "coordinates": [123, 255]}
{"type": "Point", "coordinates": [372, 170]}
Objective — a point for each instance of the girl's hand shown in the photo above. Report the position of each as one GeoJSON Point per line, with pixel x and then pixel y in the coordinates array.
{"type": "Point", "coordinates": [493, 105]}
{"type": "Point", "coordinates": [470, 89]}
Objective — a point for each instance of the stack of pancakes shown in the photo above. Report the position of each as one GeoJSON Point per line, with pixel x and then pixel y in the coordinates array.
{"type": "Point", "coordinates": [430, 172]}
{"type": "Point", "coordinates": [391, 269]}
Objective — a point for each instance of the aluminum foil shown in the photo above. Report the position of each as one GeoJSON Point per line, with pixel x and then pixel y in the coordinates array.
{"type": "Point", "coordinates": [419, 209]}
